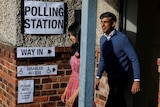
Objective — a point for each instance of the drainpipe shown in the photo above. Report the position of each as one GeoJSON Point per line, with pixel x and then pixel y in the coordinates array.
{"type": "Point", "coordinates": [88, 32]}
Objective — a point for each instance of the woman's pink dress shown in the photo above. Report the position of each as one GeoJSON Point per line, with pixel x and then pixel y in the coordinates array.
{"type": "Point", "coordinates": [73, 83]}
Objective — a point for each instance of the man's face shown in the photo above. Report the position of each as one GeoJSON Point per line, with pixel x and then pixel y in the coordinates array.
{"type": "Point", "coordinates": [107, 25]}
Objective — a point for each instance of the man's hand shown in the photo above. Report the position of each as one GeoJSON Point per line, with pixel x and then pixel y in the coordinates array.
{"type": "Point", "coordinates": [96, 84]}
{"type": "Point", "coordinates": [135, 87]}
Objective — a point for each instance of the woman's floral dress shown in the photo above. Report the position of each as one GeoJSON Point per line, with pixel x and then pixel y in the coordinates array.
{"type": "Point", "coordinates": [73, 83]}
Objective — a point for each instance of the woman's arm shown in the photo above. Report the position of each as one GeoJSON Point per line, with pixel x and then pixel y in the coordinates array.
{"type": "Point", "coordinates": [71, 100]}
{"type": "Point", "coordinates": [64, 95]}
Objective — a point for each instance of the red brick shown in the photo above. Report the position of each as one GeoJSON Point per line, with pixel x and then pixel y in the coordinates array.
{"type": "Point", "coordinates": [29, 105]}
{"type": "Point", "coordinates": [13, 93]}
{"type": "Point", "coordinates": [38, 87]}
{"type": "Point", "coordinates": [12, 55]}
{"type": "Point", "coordinates": [12, 104]}
{"type": "Point", "coordinates": [60, 72]}
{"type": "Point", "coordinates": [64, 66]}
{"type": "Point", "coordinates": [37, 81]}
{"type": "Point", "coordinates": [37, 93]}
{"type": "Point", "coordinates": [51, 92]}
{"type": "Point", "coordinates": [12, 74]}
{"type": "Point", "coordinates": [47, 86]}
{"type": "Point", "coordinates": [55, 98]}
{"type": "Point", "coordinates": [52, 104]}
{"type": "Point", "coordinates": [60, 91]}
{"type": "Point", "coordinates": [97, 101]}
{"type": "Point", "coordinates": [62, 49]}
{"type": "Point", "coordinates": [63, 79]}
{"type": "Point", "coordinates": [102, 97]}
{"type": "Point", "coordinates": [66, 55]}
{"type": "Point", "coordinates": [40, 99]}
{"type": "Point", "coordinates": [13, 68]}
{"type": "Point", "coordinates": [102, 103]}
{"type": "Point", "coordinates": [49, 80]}
{"type": "Point", "coordinates": [55, 86]}
{"type": "Point", "coordinates": [63, 85]}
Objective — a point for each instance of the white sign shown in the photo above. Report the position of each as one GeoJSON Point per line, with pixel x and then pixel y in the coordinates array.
{"type": "Point", "coordinates": [28, 52]}
{"type": "Point", "coordinates": [25, 91]}
{"type": "Point", "coordinates": [36, 70]}
{"type": "Point", "coordinates": [43, 17]}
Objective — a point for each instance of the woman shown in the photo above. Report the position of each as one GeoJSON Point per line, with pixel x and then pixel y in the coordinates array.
{"type": "Point", "coordinates": [70, 95]}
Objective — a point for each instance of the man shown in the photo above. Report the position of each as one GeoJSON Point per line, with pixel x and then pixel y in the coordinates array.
{"type": "Point", "coordinates": [116, 54]}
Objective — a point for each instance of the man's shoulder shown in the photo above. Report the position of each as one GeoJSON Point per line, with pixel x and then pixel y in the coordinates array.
{"type": "Point", "coordinates": [102, 39]}
{"type": "Point", "coordinates": [120, 34]}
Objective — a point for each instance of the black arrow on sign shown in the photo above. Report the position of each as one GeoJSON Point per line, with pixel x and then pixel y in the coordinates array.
{"type": "Point", "coordinates": [49, 51]}
{"type": "Point", "coordinates": [53, 69]}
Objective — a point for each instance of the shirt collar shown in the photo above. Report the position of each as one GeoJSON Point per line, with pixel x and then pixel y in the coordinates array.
{"type": "Point", "coordinates": [110, 35]}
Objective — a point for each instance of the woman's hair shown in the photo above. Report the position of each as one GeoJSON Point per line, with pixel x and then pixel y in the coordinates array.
{"type": "Point", "coordinates": [75, 30]}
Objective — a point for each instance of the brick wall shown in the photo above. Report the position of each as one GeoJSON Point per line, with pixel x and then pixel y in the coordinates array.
{"type": "Point", "coordinates": [100, 96]}
{"type": "Point", "coordinates": [8, 79]}
{"type": "Point", "coordinates": [158, 63]}
{"type": "Point", "coordinates": [48, 89]}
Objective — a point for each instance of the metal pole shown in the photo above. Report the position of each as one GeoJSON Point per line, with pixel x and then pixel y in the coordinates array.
{"type": "Point", "coordinates": [88, 35]}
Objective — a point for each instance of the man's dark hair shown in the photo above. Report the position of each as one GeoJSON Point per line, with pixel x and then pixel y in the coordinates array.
{"type": "Point", "coordinates": [108, 14]}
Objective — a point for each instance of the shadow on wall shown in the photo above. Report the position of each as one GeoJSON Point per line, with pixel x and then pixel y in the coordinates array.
{"type": "Point", "coordinates": [132, 36]}
{"type": "Point", "coordinates": [115, 4]}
